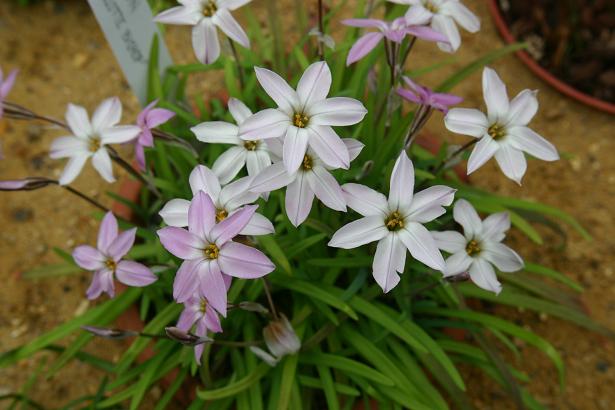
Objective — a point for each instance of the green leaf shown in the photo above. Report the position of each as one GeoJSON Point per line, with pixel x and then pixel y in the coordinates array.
{"type": "Point", "coordinates": [346, 365]}
{"type": "Point", "coordinates": [553, 274]}
{"type": "Point", "coordinates": [357, 262]}
{"type": "Point", "coordinates": [272, 248]}
{"type": "Point", "coordinates": [340, 388]}
{"type": "Point", "coordinates": [50, 271]}
{"type": "Point", "coordinates": [236, 387]}
{"type": "Point", "coordinates": [304, 244]}
{"type": "Point", "coordinates": [289, 369]}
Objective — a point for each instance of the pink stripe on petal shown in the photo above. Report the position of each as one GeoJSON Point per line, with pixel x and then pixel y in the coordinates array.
{"type": "Point", "coordinates": [181, 243]}
{"type": "Point", "coordinates": [107, 232]}
{"type": "Point", "coordinates": [363, 46]}
{"type": "Point", "coordinates": [201, 215]}
{"type": "Point", "coordinates": [134, 274]}
{"type": "Point", "coordinates": [212, 286]}
{"type": "Point", "coordinates": [185, 283]}
{"type": "Point", "coordinates": [122, 244]}
{"type": "Point", "coordinates": [88, 257]}
{"type": "Point", "coordinates": [243, 261]}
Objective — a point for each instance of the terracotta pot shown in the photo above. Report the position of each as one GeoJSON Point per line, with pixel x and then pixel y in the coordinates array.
{"type": "Point", "coordinates": [541, 72]}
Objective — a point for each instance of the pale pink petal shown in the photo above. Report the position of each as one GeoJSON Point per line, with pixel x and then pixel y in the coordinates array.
{"type": "Point", "coordinates": [483, 275]}
{"type": "Point", "coordinates": [7, 84]}
{"type": "Point", "coordinates": [266, 124]}
{"type": "Point", "coordinates": [101, 282]}
{"type": "Point", "coordinates": [198, 352]}
{"type": "Point", "coordinates": [181, 15]}
{"type": "Point", "coordinates": [466, 216]}
{"type": "Point", "coordinates": [186, 283]}
{"type": "Point", "coordinates": [512, 162]}
{"type": "Point", "coordinates": [359, 232]}
{"type": "Point", "coordinates": [102, 163]}
{"type": "Point", "coordinates": [426, 33]}
{"type": "Point", "coordinates": [107, 114]}
{"type": "Point", "coordinates": [134, 274]}
{"type": "Point", "coordinates": [295, 147]}
{"type": "Point", "coordinates": [258, 225]}
{"type": "Point", "coordinates": [495, 225]}
{"type": "Point", "coordinates": [175, 212]}
{"type": "Point", "coordinates": [158, 116]}
{"type": "Point", "coordinates": [450, 241]}
{"type": "Point", "coordinates": [181, 243]}
{"type": "Point", "coordinates": [211, 320]}
{"type": "Point", "coordinates": [527, 140]}
{"type": "Point", "coordinates": [522, 108]}
{"type": "Point", "coordinates": [421, 245]}
{"type": "Point", "coordinates": [314, 84]}
{"type": "Point", "coordinates": [88, 257]}
{"type": "Point", "coordinates": [122, 244]}
{"type": "Point", "coordinates": [201, 215]}
{"type": "Point", "coordinates": [326, 188]}
{"type": "Point", "coordinates": [365, 23]}
{"type": "Point", "coordinates": [73, 168]}
{"type": "Point", "coordinates": [239, 111]}
{"type": "Point", "coordinates": [365, 200]}
{"type": "Point", "coordinates": [401, 184]}
{"type": "Point", "coordinates": [65, 147]}
{"type": "Point", "coordinates": [229, 163]}
{"type": "Point", "coordinates": [189, 315]}
{"type": "Point", "coordinates": [278, 89]}
{"type": "Point", "coordinates": [203, 179]}
{"type": "Point", "coordinates": [363, 46]}
{"type": "Point", "coordinates": [504, 258]}
{"type": "Point", "coordinates": [205, 41]}
{"type": "Point", "coordinates": [78, 121]}
{"type": "Point", "coordinates": [211, 285]}
{"type": "Point", "coordinates": [457, 263]}
{"type": "Point", "coordinates": [107, 233]}
{"type": "Point", "coordinates": [217, 132]}
{"type": "Point", "coordinates": [271, 178]}
{"type": "Point", "coordinates": [484, 150]}
{"type": "Point", "coordinates": [495, 95]}
{"type": "Point", "coordinates": [466, 121]}
{"type": "Point", "coordinates": [230, 27]}
{"type": "Point", "coordinates": [231, 226]}
{"type": "Point", "coordinates": [243, 261]}
{"type": "Point", "coordinates": [329, 146]}
{"type": "Point", "coordinates": [298, 200]}
{"type": "Point", "coordinates": [336, 111]}
{"type": "Point", "coordinates": [389, 252]}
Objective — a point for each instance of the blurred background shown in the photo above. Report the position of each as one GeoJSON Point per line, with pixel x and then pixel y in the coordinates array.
{"type": "Point", "coordinates": [63, 57]}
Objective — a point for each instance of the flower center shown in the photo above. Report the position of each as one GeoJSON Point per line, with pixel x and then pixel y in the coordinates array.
{"type": "Point", "coordinates": [95, 143]}
{"type": "Point", "coordinates": [221, 215]}
{"type": "Point", "coordinates": [203, 306]}
{"type": "Point", "coordinates": [111, 265]}
{"type": "Point", "coordinates": [211, 251]}
{"type": "Point", "coordinates": [394, 222]}
{"type": "Point", "coordinates": [430, 6]}
{"type": "Point", "coordinates": [209, 8]}
{"type": "Point", "coordinates": [250, 145]}
{"type": "Point", "coordinates": [308, 163]}
{"type": "Point", "coordinates": [300, 120]}
{"type": "Point", "coordinates": [496, 131]}
{"type": "Point", "coordinates": [473, 247]}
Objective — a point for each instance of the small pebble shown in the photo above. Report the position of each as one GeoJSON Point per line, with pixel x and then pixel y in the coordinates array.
{"type": "Point", "coordinates": [22, 214]}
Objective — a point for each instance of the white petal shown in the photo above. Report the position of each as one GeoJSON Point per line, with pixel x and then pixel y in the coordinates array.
{"type": "Point", "coordinates": [258, 225]}
{"type": "Point", "coordinates": [175, 212]}
{"type": "Point", "coordinates": [180, 15]}
{"type": "Point", "coordinates": [271, 178]}
{"type": "Point", "coordinates": [238, 110]}
{"type": "Point", "coordinates": [256, 161]}
{"type": "Point", "coordinates": [365, 200]}
{"type": "Point", "coordinates": [217, 132]}
{"type": "Point", "coordinates": [269, 123]}
{"type": "Point", "coordinates": [203, 179]}
{"type": "Point", "coordinates": [359, 232]}
{"type": "Point", "coordinates": [64, 147]}
{"type": "Point", "coordinates": [512, 162]}
{"type": "Point", "coordinates": [421, 245]}
{"type": "Point", "coordinates": [386, 261]}
{"type": "Point", "coordinates": [314, 84]}
{"type": "Point", "coordinates": [326, 188]}
{"type": "Point", "coordinates": [329, 147]}
{"type": "Point", "coordinates": [417, 15]}
{"type": "Point", "coordinates": [504, 258]}
{"type": "Point", "coordinates": [78, 121]}
{"type": "Point", "coordinates": [482, 152]}
{"type": "Point", "coordinates": [234, 4]}
{"type": "Point", "coordinates": [483, 275]}
{"type": "Point", "coordinates": [450, 241]}
{"type": "Point", "coordinates": [466, 216]}
{"type": "Point", "coordinates": [337, 111]}
{"type": "Point", "coordinates": [457, 263]}
{"type": "Point", "coordinates": [495, 95]}
{"type": "Point", "coordinates": [354, 147]}
{"type": "Point", "coordinates": [119, 134]}
{"type": "Point", "coordinates": [466, 121]}
{"type": "Point", "coordinates": [229, 163]}
{"type": "Point", "coordinates": [284, 96]}
{"type": "Point", "coordinates": [237, 194]}
{"type": "Point", "coordinates": [446, 25]}
{"type": "Point", "coordinates": [428, 204]}
{"type": "Point", "coordinates": [299, 198]}
{"type": "Point", "coordinates": [529, 141]}
{"type": "Point", "coordinates": [230, 27]}
{"type": "Point", "coordinates": [402, 183]}
{"type": "Point", "coordinates": [295, 147]}
{"type": "Point", "coordinates": [107, 114]}
{"type": "Point", "coordinates": [102, 163]}
{"type": "Point", "coordinates": [205, 41]}
{"type": "Point", "coordinates": [462, 15]}
{"type": "Point", "coordinates": [522, 108]}
{"type": "Point", "coordinates": [275, 146]}
{"type": "Point", "coordinates": [495, 226]}
{"type": "Point", "coordinates": [73, 168]}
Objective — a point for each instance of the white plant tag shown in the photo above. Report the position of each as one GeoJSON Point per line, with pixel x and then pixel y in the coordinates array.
{"type": "Point", "coordinates": [129, 28]}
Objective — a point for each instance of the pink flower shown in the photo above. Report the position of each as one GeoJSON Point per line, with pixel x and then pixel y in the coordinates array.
{"type": "Point", "coordinates": [106, 260]}
{"type": "Point", "coordinates": [5, 86]}
{"type": "Point", "coordinates": [197, 310]}
{"type": "Point", "coordinates": [147, 119]}
{"type": "Point", "coordinates": [425, 96]}
{"type": "Point", "coordinates": [209, 252]}
{"type": "Point", "coordinates": [410, 24]}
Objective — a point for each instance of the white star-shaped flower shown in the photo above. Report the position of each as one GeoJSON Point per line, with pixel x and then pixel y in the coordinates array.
{"type": "Point", "coordinates": [227, 200]}
{"type": "Point", "coordinates": [251, 154]}
{"type": "Point", "coordinates": [396, 223]}
{"type": "Point", "coordinates": [90, 138]}
{"type": "Point", "coordinates": [479, 247]}
{"type": "Point", "coordinates": [304, 117]}
{"type": "Point", "coordinates": [503, 132]}
{"type": "Point", "coordinates": [205, 16]}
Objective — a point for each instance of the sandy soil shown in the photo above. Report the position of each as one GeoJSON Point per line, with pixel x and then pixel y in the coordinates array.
{"type": "Point", "coordinates": [63, 58]}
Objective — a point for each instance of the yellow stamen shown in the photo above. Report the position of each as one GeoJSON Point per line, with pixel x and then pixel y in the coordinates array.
{"type": "Point", "coordinates": [496, 131]}
{"type": "Point", "coordinates": [111, 265]}
{"type": "Point", "coordinates": [95, 143]}
{"type": "Point", "coordinates": [473, 247]}
{"type": "Point", "coordinates": [394, 222]}
{"type": "Point", "coordinates": [250, 145]}
{"type": "Point", "coordinates": [300, 120]}
{"type": "Point", "coordinates": [308, 163]}
{"type": "Point", "coordinates": [221, 215]}
{"type": "Point", "coordinates": [211, 251]}
{"type": "Point", "coordinates": [430, 6]}
{"type": "Point", "coordinates": [209, 8]}
{"type": "Point", "coordinates": [203, 306]}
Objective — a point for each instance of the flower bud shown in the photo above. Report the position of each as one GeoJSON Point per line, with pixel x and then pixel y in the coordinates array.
{"type": "Point", "coordinates": [185, 338]}
{"type": "Point", "coordinates": [109, 333]}
{"type": "Point", "coordinates": [26, 184]}
{"type": "Point", "coordinates": [460, 277]}
{"type": "Point", "coordinates": [253, 307]}
{"type": "Point", "coordinates": [281, 338]}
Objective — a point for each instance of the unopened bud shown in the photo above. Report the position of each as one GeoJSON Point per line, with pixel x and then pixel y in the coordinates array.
{"type": "Point", "coordinates": [186, 338]}
{"type": "Point", "coordinates": [281, 338]}
{"type": "Point", "coordinates": [109, 333]}
{"type": "Point", "coordinates": [253, 307]}
{"type": "Point", "coordinates": [366, 169]}
{"type": "Point", "coordinates": [460, 277]}
{"type": "Point", "coordinates": [26, 184]}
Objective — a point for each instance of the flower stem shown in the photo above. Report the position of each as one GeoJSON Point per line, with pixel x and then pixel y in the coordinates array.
{"type": "Point", "coordinates": [418, 122]}
{"type": "Point", "coordinates": [145, 181]}
{"type": "Point", "coordinates": [242, 81]}
{"type": "Point", "coordinates": [17, 112]}
{"type": "Point", "coordinates": [274, 312]}
{"type": "Point", "coordinates": [454, 155]}
{"type": "Point", "coordinates": [321, 29]}
{"type": "Point", "coordinates": [85, 197]}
